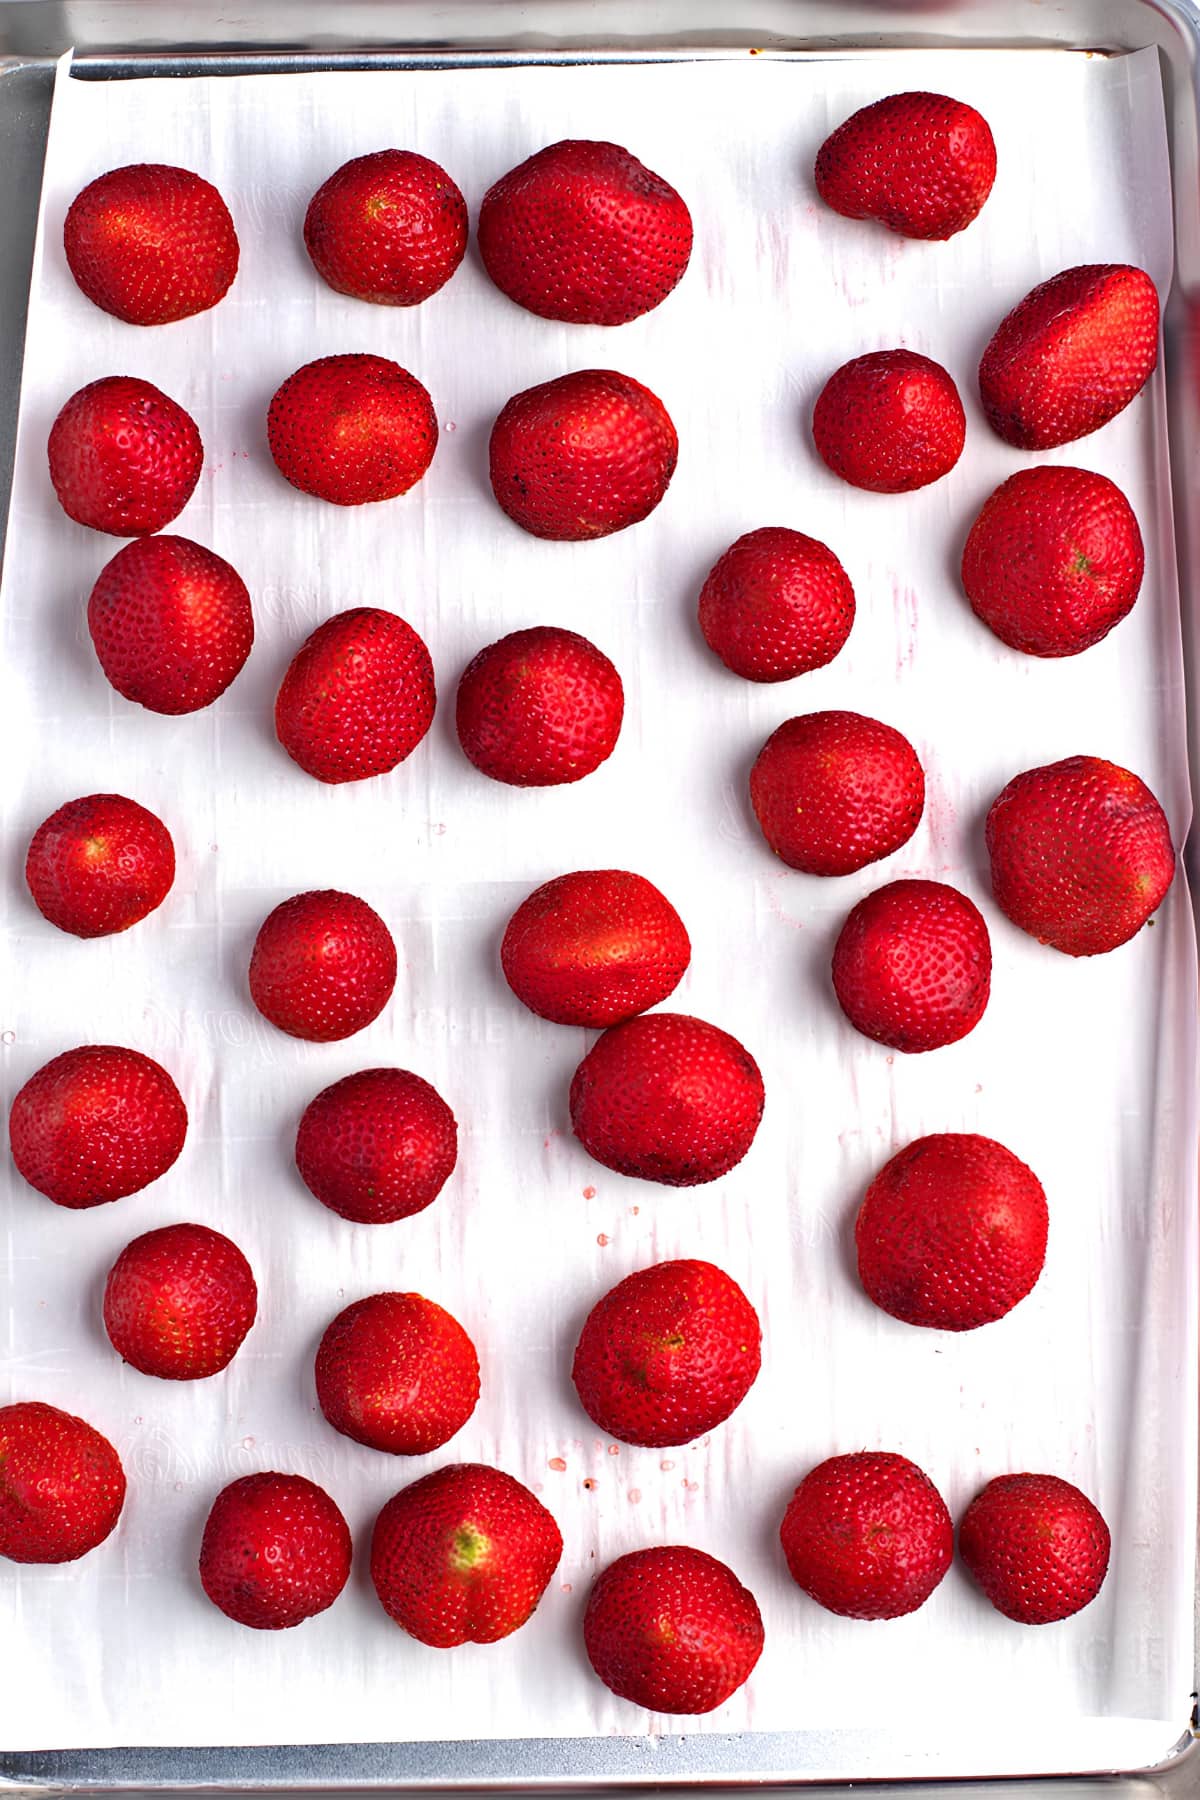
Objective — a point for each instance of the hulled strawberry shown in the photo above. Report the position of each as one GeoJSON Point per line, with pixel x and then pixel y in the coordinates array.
{"type": "Point", "coordinates": [922, 164]}
{"type": "Point", "coordinates": [99, 865]}
{"type": "Point", "coordinates": [179, 1301]}
{"type": "Point", "coordinates": [377, 1146]}
{"type": "Point", "coordinates": [323, 965]}
{"type": "Point", "coordinates": [594, 947]}
{"type": "Point", "coordinates": [889, 422]}
{"type": "Point", "coordinates": [151, 243]}
{"type": "Point", "coordinates": [834, 791]}
{"type": "Point", "coordinates": [275, 1551]}
{"type": "Point", "coordinates": [171, 624]}
{"type": "Point", "coordinates": [95, 1124]}
{"type": "Point", "coordinates": [912, 967]}
{"type": "Point", "coordinates": [351, 429]}
{"type": "Point", "coordinates": [867, 1535]}
{"type": "Point", "coordinates": [398, 1373]}
{"type": "Point", "coordinates": [358, 696]}
{"type": "Point", "coordinates": [62, 1486]}
{"type": "Point", "coordinates": [1037, 1547]}
{"type": "Point", "coordinates": [776, 605]}
{"type": "Point", "coordinates": [390, 228]}
{"type": "Point", "coordinates": [539, 708]}
{"type": "Point", "coordinates": [124, 457]}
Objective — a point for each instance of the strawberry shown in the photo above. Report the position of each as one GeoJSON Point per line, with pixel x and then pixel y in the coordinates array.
{"type": "Point", "coordinates": [62, 1486]}
{"type": "Point", "coordinates": [171, 624]}
{"type": "Point", "coordinates": [668, 1354]}
{"type": "Point", "coordinates": [889, 422]}
{"type": "Point", "coordinates": [668, 1098]}
{"type": "Point", "coordinates": [582, 456]}
{"type": "Point", "coordinates": [1037, 1547]}
{"type": "Point", "coordinates": [150, 243]}
{"type": "Point", "coordinates": [583, 231]}
{"type": "Point", "coordinates": [952, 1232]}
{"type": "Point", "coordinates": [594, 948]}
{"type": "Point", "coordinates": [463, 1556]}
{"type": "Point", "coordinates": [922, 164]}
{"type": "Point", "coordinates": [912, 967]}
{"type": "Point", "coordinates": [390, 228]}
{"type": "Point", "coordinates": [275, 1551]}
{"type": "Point", "coordinates": [1071, 355]}
{"type": "Point", "coordinates": [396, 1372]}
{"type": "Point", "coordinates": [124, 457]}
{"type": "Point", "coordinates": [377, 1146]}
{"type": "Point", "coordinates": [358, 696]}
{"type": "Point", "coordinates": [834, 791]}
{"type": "Point", "coordinates": [776, 605]}
{"type": "Point", "coordinates": [672, 1629]}
{"type": "Point", "coordinates": [350, 429]}
{"type": "Point", "coordinates": [99, 864]}
{"type": "Point", "coordinates": [867, 1535]}
{"type": "Point", "coordinates": [95, 1124]}
{"type": "Point", "coordinates": [179, 1301]}
{"type": "Point", "coordinates": [1054, 560]}
{"type": "Point", "coordinates": [323, 965]}
{"type": "Point", "coordinates": [1081, 854]}
{"type": "Point", "coordinates": [539, 708]}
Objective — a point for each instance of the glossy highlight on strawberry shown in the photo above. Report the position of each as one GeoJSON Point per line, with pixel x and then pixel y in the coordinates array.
{"type": "Point", "coordinates": [151, 243]}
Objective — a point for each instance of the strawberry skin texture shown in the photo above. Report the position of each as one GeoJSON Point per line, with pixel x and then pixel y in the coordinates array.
{"type": "Point", "coordinates": [377, 1146]}
{"type": "Point", "coordinates": [390, 228]}
{"type": "Point", "coordinates": [583, 232]}
{"type": "Point", "coordinates": [868, 1535]}
{"type": "Point", "coordinates": [921, 164]}
{"type": "Point", "coordinates": [358, 696]}
{"type": "Point", "coordinates": [463, 1556]}
{"type": "Point", "coordinates": [594, 948]}
{"type": "Point", "coordinates": [667, 1098]}
{"type": "Point", "coordinates": [776, 605]}
{"type": "Point", "coordinates": [952, 1232]}
{"type": "Point", "coordinates": [179, 1301]}
{"type": "Point", "coordinates": [323, 965]}
{"type": "Point", "coordinates": [276, 1550]}
{"type": "Point", "coordinates": [668, 1354]}
{"type": "Point", "coordinates": [912, 967]}
{"type": "Point", "coordinates": [1081, 854]}
{"type": "Point", "coordinates": [352, 429]}
{"type": "Point", "coordinates": [672, 1629]}
{"type": "Point", "coordinates": [889, 422]}
{"type": "Point", "coordinates": [539, 708]}
{"type": "Point", "coordinates": [124, 457]}
{"type": "Point", "coordinates": [150, 243]}
{"type": "Point", "coordinates": [95, 1124]}
{"type": "Point", "coordinates": [99, 864]}
{"type": "Point", "coordinates": [398, 1373]}
{"type": "Point", "coordinates": [582, 456]}
{"type": "Point", "coordinates": [834, 791]}
{"type": "Point", "coordinates": [1037, 1547]}
{"type": "Point", "coordinates": [1071, 355]}
{"type": "Point", "coordinates": [62, 1486]}
{"type": "Point", "coordinates": [171, 624]}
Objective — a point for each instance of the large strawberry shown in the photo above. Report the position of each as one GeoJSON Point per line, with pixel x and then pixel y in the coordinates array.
{"type": "Point", "coordinates": [922, 164]}
{"type": "Point", "coordinates": [776, 605]}
{"type": "Point", "coordinates": [275, 1551]}
{"type": "Point", "coordinates": [95, 1124]}
{"type": "Point", "coordinates": [1037, 1547]}
{"type": "Point", "coordinates": [834, 791]}
{"type": "Point", "coordinates": [398, 1373]}
{"type": "Point", "coordinates": [358, 696]}
{"type": "Point", "coordinates": [124, 457]}
{"type": "Point", "coordinates": [390, 227]}
{"type": "Point", "coordinates": [377, 1146]}
{"type": "Point", "coordinates": [889, 422]}
{"type": "Point", "coordinates": [351, 429]}
{"type": "Point", "coordinates": [62, 1486]}
{"type": "Point", "coordinates": [867, 1535]}
{"type": "Point", "coordinates": [179, 1301]}
{"type": "Point", "coordinates": [99, 864]}
{"type": "Point", "coordinates": [151, 243]}
{"type": "Point", "coordinates": [171, 624]}
{"type": "Point", "coordinates": [539, 708]}
{"type": "Point", "coordinates": [912, 966]}
{"type": "Point", "coordinates": [323, 965]}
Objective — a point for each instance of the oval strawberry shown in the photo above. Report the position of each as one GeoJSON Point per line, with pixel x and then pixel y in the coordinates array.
{"type": "Point", "coordinates": [390, 228]}
{"type": "Point", "coordinates": [323, 965]}
{"type": "Point", "coordinates": [398, 1373]}
{"type": "Point", "coordinates": [539, 708]}
{"type": "Point", "coordinates": [124, 457]}
{"type": "Point", "coordinates": [95, 1124]}
{"type": "Point", "coordinates": [151, 243]}
{"type": "Point", "coordinates": [171, 624]}
{"type": "Point", "coordinates": [912, 966]}
{"type": "Point", "coordinates": [62, 1486]}
{"type": "Point", "coordinates": [776, 605]}
{"type": "Point", "coordinates": [275, 1551]}
{"type": "Point", "coordinates": [867, 1535]}
{"type": "Point", "coordinates": [377, 1146]}
{"type": "Point", "coordinates": [352, 429]}
{"type": "Point", "coordinates": [179, 1302]}
{"type": "Point", "coordinates": [99, 865]}
{"type": "Point", "coordinates": [594, 948]}
{"type": "Point", "coordinates": [834, 791]}
{"type": "Point", "coordinates": [357, 698]}
{"type": "Point", "coordinates": [922, 164]}
{"type": "Point", "coordinates": [889, 422]}
{"type": "Point", "coordinates": [1036, 1545]}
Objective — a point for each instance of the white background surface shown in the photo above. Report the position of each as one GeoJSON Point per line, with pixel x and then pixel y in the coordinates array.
{"type": "Point", "coordinates": [1085, 1069]}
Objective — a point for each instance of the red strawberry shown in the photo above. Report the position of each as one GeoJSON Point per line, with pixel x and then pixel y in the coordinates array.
{"type": "Point", "coordinates": [834, 791]}
{"type": "Point", "coordinates": [179, 1302]}
{"type": "Point", "coordinates": [463, 1556]}
{"type": "Point", "coordinates": [583, 231]}
{"type": "Point", "coordinates": [95, 1124]}
{"type": "Point", "coordinates": [668, 1354]}
{"type": "Point", "coordinates": [582, 456]}
{"type": "Point", "coordinates": [151, 243]}
{"type": "Point", "coordinates": [99, 864]}
{"type": "Point", "coordinates": [377, 1146]}
{"type": "Point", "coordinates": [275, 1551]}
{"type": "Point", "coordinates": [1071, 355]}
{"type": "Point", "coordinates": [396, 1372]}
{"type": "Point", "coordinates": [62, 1486]}
{"type": "Point", "coordinates": [777, 604]}
{"type": "Point", "coordinates": [350, 429]}
{"type": "Point", "coordinates": [323, 965]}
{"type": "Point", "coordinates": [171, 624]}
{"type": "Point", "coordinates": [889, 422]}
{"type": "Point", "coordinates": [952, 1232]}
{"type": "Point", "coordinates": [867, 1535]}
{"type": "Point", "coordinates": [672, 1629]}
{"type": "Point", "coordinates": [1037, 1547]}
{"type": "Point", "coordinates": [594, 948]}
{"type": "Point", "coordinates": [124, 457]}
{"type": "Point", "coordinates": [358, 696]}
{"type": "Point", "coordinates": [922, 164]}
{"type": "Point", "coordinates": [668, 1098]}
{"type": "Point", "coordinates": [1081, 854]}
{"type": "Point", "coordinates": [912, 967]}
{"type": "Point", "coordinates": [539, 708]}
{"type": "Point", "coordinates": [391, 228]}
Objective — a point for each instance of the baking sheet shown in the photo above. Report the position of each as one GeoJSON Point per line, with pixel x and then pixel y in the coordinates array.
{"type": "Point", "coordinates": [1086, 1070]}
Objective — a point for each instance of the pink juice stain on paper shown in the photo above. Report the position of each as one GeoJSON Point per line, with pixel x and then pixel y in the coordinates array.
{"type": "Point", "coordinates": [904, 612]}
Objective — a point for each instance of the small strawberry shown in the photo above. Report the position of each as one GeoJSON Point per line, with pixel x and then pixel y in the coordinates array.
{"type": "Point", "coordinates": [889, 422]}
{"type": "Point", "coordinates": [179, 1301]}
{"type": "Point", "coordinates": [390, 228]}
{"type": "Point", "coordinates": [377, 1146]}
{"type": "Point", "coordinates": [62, 1486]}
{"type": "Point", "coordinates": [1037, 1547]}
{"type": "Point", "coordinates": [1071, 355]}
{"type": "Point", "coordinates": [672, 1629]}
{"type": "Point", "coordinates": [358, 696]}
{"type": "Point", "coordinates": [151, 243]}
{"type": "Point", "coordinates": [95, 1124]}
{"type": "Point", "coordinates": [99, 865]}
{"type": "Point", "coordinates": [583, 231]}
{"type": "Point", "coordinates": [1081, 854]}
{"type": "Point", "coordinates": [867, 1535]}
{"type": "Point", "coordinates": [594, 948]}
{"type": "Point", "coordinates": [323, 965]}
{"type": "Point", "coordinates": [539, 708]}
{"type": "Point", "coordinates": [912, 967]}
{"type": "Point", "coordinates": [171, 624]}
{"type": "Point", "coordinates": [276, 1550]}
{"type": "Point", "coordinates": [463, 1556]}
{"type": "Point", "coordinates": [834, 791]}
{"type": "Point", "coordinates": [398, 1373]}
{"type": "Point", "coordinates": [351, 429]}
{"type": "Point", "coordinates": [922, 164]}
{"type": "Point", "coordinates": [776, 605]}
{"type": "Point", "coordinates": [124, 457]}
{"type": "Point", "coordinates": [582, 456]}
